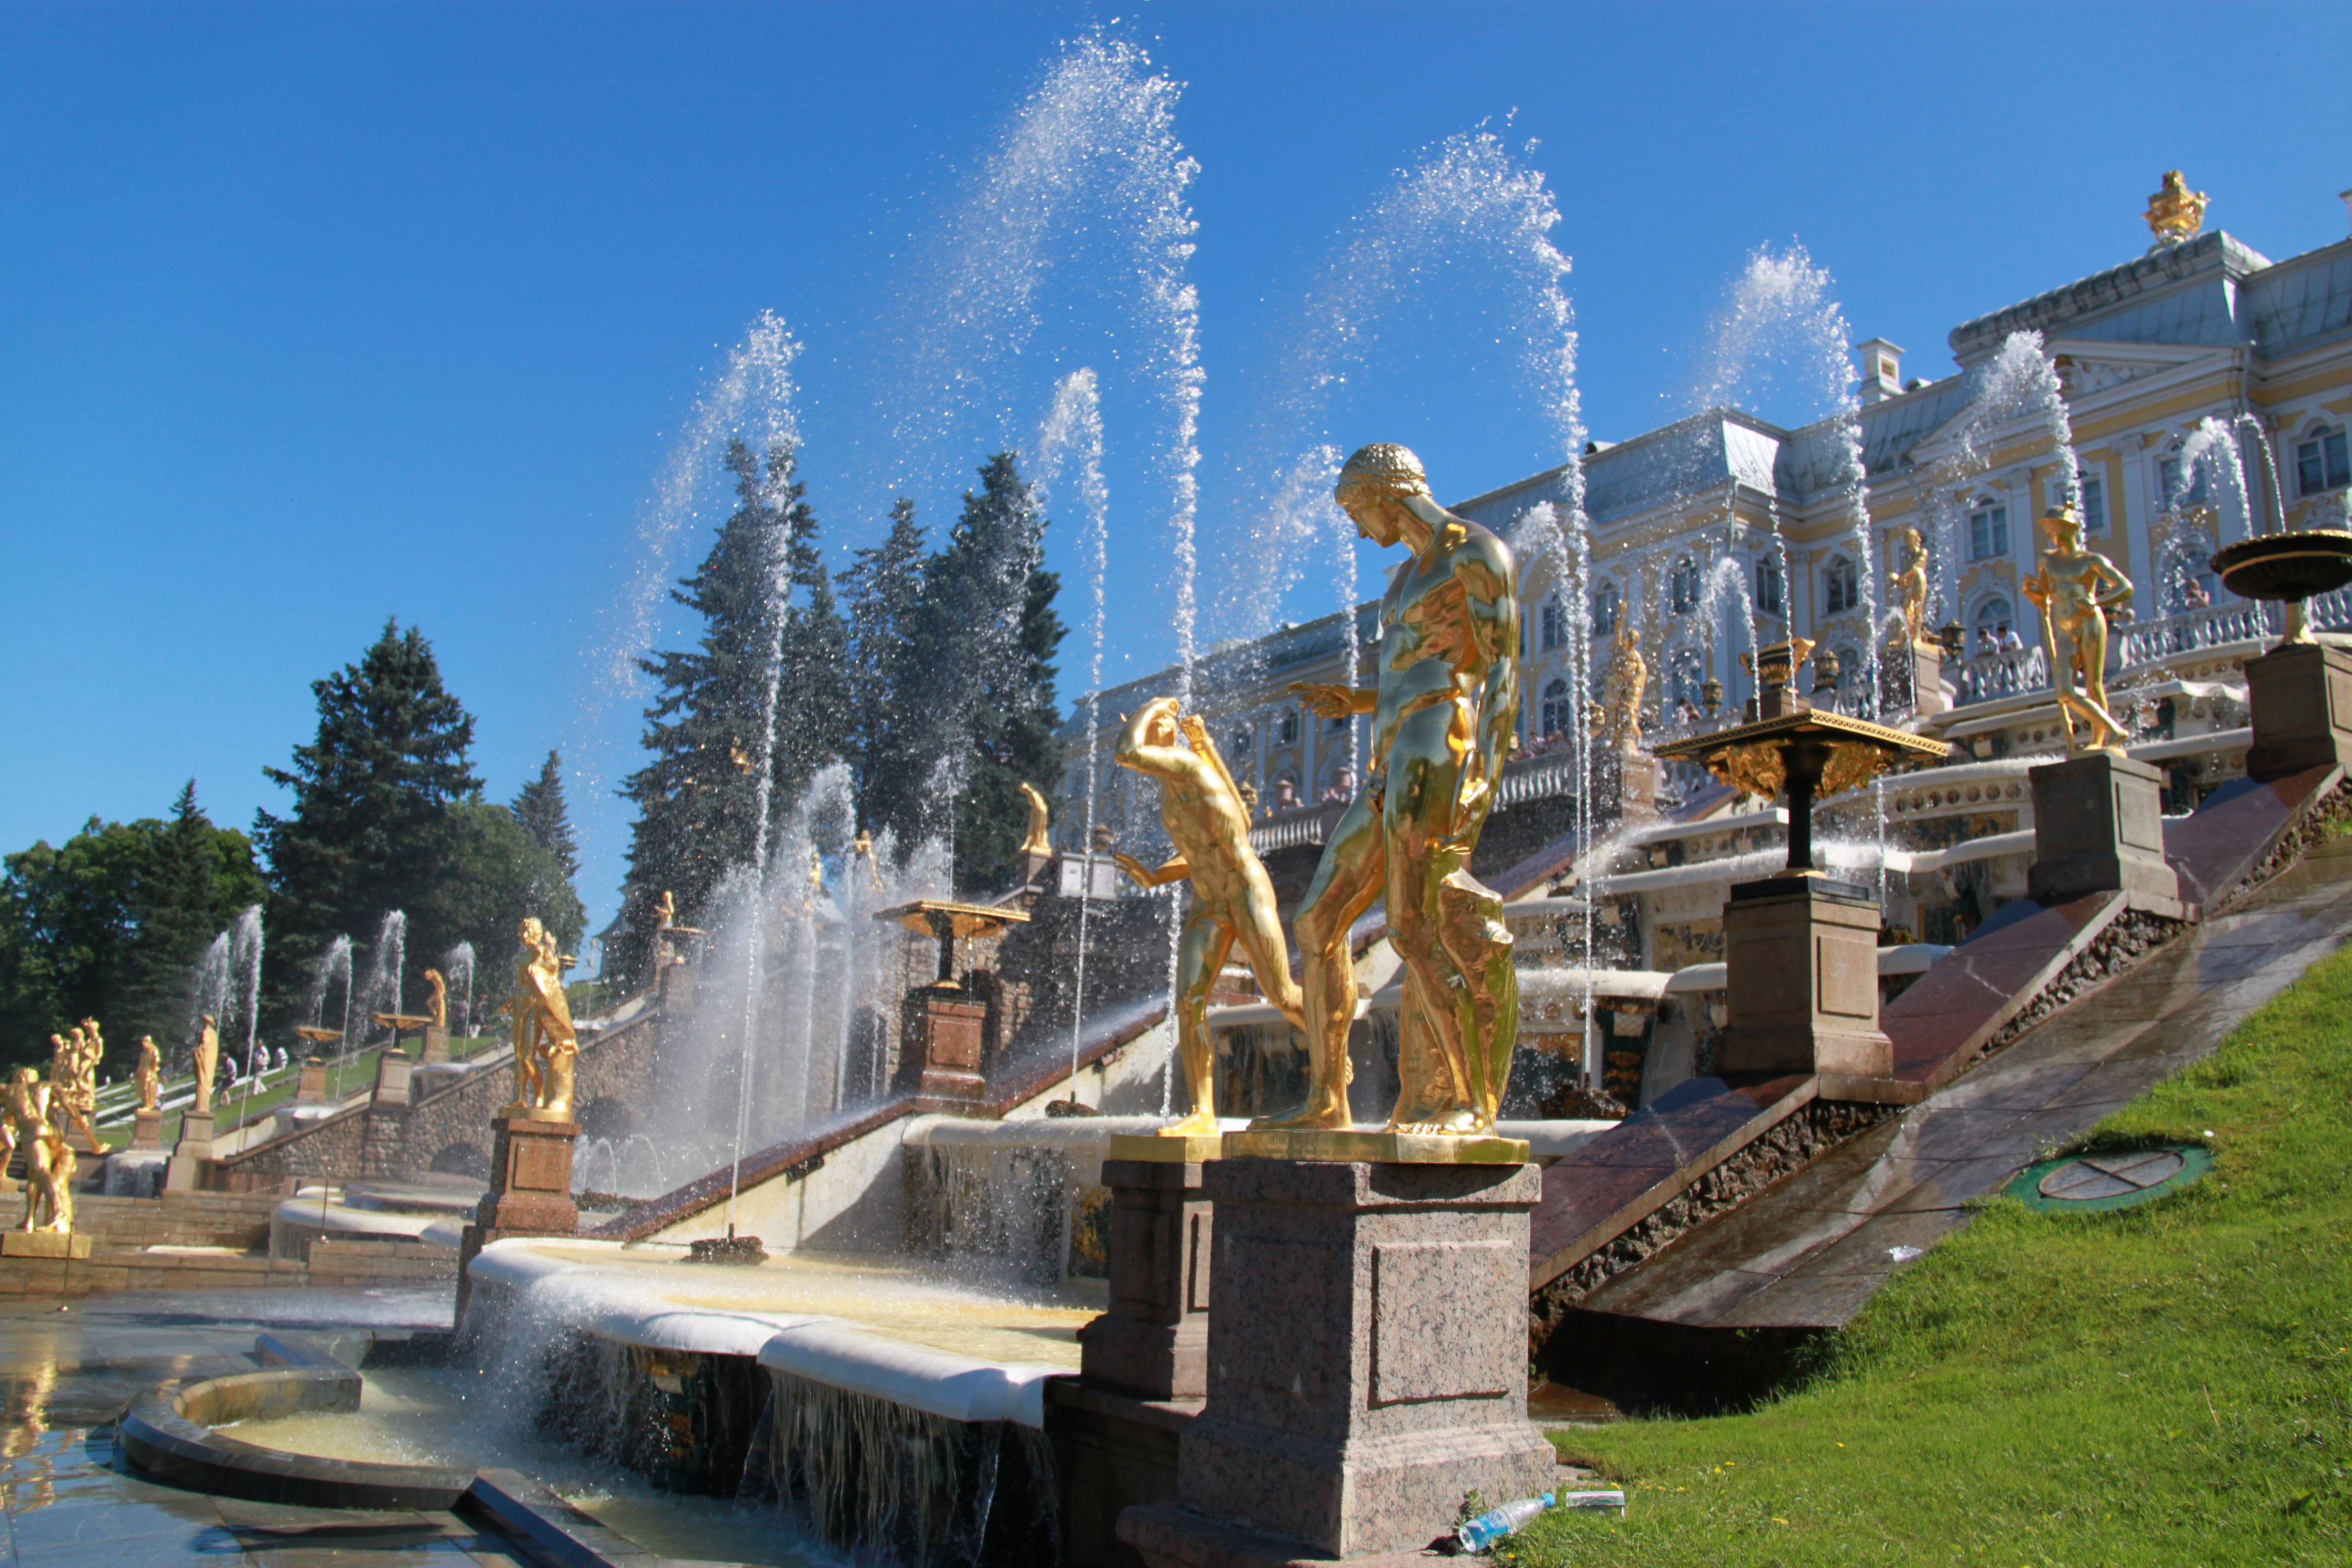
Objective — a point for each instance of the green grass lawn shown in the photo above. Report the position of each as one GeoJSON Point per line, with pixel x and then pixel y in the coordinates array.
{"type": "Point", "coordinates": [233, 1108]}
{"type": "Point", "coordinates": [2168, 1385]}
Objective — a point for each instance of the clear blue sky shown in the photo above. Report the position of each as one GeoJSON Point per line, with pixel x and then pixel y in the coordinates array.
{"type": "Point", "coordinates": [315, 314]}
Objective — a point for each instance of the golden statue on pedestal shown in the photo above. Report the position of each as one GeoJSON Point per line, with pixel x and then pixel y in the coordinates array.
{"type": "Point", "coordinates": [1040, 814]}
{"type": "Point", "coordinates": [2175, 213]}
{"type": "Point", "coordinates": [436, 1010]}
{"type": "Point", "coordinates": [1442, 717]}
{"type": "Point", "coordinates": [545, 1043]}
{"type": "Point", "coordinates": [1618, 720]}
{"type": "Point", "coordinates": [1910, 587]}
{"type": "Point", "coordinates": [2075, 589]}
{"type": "Point", "coordinates": [34, 1126]}
{"type": "Point", "coordinates": [1233, 900]}
{"type": "Point", "coordinates": [207, 1063]}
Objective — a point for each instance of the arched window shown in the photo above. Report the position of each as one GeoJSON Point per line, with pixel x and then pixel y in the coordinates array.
{"type": "Point", "coordinates": [1682, 586]}
{"type": "Point", "coordinates": [2322, 462]}
{"type": "Point", "coordinates": [1555, 623]}
{"type": "Point", "coordinates": [1557, 719]}
{"type": "Point", "coordinates": [1992, 618]}
{"type": "Point", "coordinates": [1605, 604]}
{"type": "Point", "coordinates": [1288, 729]}
{"type": "Point", "coordinates": [1768, 585]}
{"type": "Point", "coordinates": [2176, 488]}
{"type": "Point", "coordinates": [1840, 589]}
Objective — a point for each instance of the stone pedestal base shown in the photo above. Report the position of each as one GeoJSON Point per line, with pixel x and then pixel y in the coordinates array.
{"type": "Point", "coordinates": [1113, 1454]}
{"type": "Point", "coordinates": [2302, 702]}
{"type": "Point", "coordinates": [193, 1155]}
{"type": "Point", "coordinates": [1366, 1351]}
{"type": "Point", "coordinates": [1153, 1343]}
{"type": "Point", "coordinates": [437, 1045]}
{"type": "Point", "coordinates": [531, 1191]}
{"type": "Point", "coordinates": [941, 1042]}
{"type": "Point", "coordinates": [1800, 957]}
{"type": "Point", "coordinates": [43, 1244]}
{"type": "Point", "coordinates": [1911, 679]}
{"type": "Point", "coordinates": [1624, 786]}
{"type": "Point", "coordinates": [310, 1083]}
{"type": "Point", "coordinates": [146, 1129]}
{"type": "Point", "coordinates": [2098, 826]}
{"type": "Point", "coordinates": [392, 1070]}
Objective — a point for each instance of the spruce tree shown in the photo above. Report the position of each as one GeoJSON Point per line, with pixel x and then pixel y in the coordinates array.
{"type": "Point", "coordinates": [539, 809]}
{"type": "Point", "coordinates": [697, 804]}
{"type": "Point", "coordinates": [884, 588]}
{"type": "Point", "coordinates": [372, 798]}
{"type": "Point", "coordinates": [177, 907]}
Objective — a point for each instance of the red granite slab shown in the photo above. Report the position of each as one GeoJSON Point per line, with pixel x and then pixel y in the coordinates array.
{"type": "Point", "coordinates": [2217, 845]}
{"type": "Point", "coordinates": [1978, 987]}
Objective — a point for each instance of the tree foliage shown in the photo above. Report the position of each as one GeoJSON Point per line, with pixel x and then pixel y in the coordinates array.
{"type": "Point", "coordinates": [539, 809]}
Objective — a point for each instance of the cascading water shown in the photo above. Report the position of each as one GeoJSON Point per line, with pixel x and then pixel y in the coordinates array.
{"type": "Point", "coordinates": [387, 969]}
{"type": "Point", "coordinates": [2018, 382]}
{"type": "Point", "coordinates": [333, 964]}
{"type": "Point", "coordinates": [458, 974]}
{"type": "Point", "coordinates": [1073, 432]}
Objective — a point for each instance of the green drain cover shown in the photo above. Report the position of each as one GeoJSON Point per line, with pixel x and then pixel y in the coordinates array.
{"type": "Point", "coordinates": [2116, 1181]}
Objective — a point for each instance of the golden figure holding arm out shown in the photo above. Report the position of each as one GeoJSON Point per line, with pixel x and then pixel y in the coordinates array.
{"type": "Point", "coordinates": [49, 1160]}
{"type": "Point", "coordinates": [1910, 587]}
{"type": "Point", "coordinates": [207, 1063]}
{"type": "Point", "coordinates": [545, 1042]}
{"type": "Point", "coordinates": [2075, 589]}
{"type": "Point", "coordinates": [1232, 898]}
{"type": "Point", "coordinates": [1443, 715]}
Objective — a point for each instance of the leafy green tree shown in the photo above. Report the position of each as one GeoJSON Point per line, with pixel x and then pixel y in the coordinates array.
{"type": "Point", "coordinates": [539, 809]}
{"type": "Point", "coordinates": [372, 793]}
{"type": "Point", "coordinates": [884, 588]}
{"type": "Point", "coordinates": [497, 872]}
{"type": "Point", "coordinates": [770, 633]}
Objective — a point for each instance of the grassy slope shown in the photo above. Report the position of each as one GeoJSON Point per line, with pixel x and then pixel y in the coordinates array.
{"type": "Point", "coordinates": [2170, 1384]}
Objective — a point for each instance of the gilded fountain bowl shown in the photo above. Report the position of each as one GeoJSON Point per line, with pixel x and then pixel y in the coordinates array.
{"type": "Point", "coordinates": [2287, 565]}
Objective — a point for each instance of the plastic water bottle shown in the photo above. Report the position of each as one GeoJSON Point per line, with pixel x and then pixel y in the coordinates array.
{"type": "Point", "coordinates": [1497, 1522]}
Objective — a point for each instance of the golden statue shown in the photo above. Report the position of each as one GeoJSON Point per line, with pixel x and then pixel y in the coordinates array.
{"type": "Point", "coordinates": [149, 1072]}
{"type": "Point", "coordinates": [207, 1063]}
{"type": "Point", "coordinates": [1232, 896]}
{"type": "Point", "coordinates": [2175, 213]}
{"type": "Point", "coordinates": [1037, 843]}
{"type": "Point", "coordinates": [864, 845]}
{"type": "Point", "coordinates": [34, 1127]}
{"type": "Point", "coordinates": [1910, 587]}
{"type": "Point", "coordinates": [2068, 588]}
{"type": "Point", "coordinates": [545, 1043]}
{"type": "Point", "coordinates": [437, 1010]}
{"type": "Point", "coordinates": [1443, 715]}
{"type": "Point", "coordinates": [815, 881]}
{"type": "Point", "coordinates": [75, 1083]}
{"type": "Point", "coordinates": [1618, 720]}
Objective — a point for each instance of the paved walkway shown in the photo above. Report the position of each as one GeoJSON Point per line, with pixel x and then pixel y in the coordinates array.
{"type": "Point", "coordinates": [1808, 1252]}
{"type": "Point", "coordinates": [63, 1375]}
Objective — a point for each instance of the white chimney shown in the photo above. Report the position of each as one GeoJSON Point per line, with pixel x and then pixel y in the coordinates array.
{"type": "Point", "coordinates": [1882, 369]}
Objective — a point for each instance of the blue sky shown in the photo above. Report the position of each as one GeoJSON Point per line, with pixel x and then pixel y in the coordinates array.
{"type": "Point", "coordinates": [312, 315]}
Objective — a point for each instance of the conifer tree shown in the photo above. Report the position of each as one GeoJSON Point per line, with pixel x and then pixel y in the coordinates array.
{"type": "Point", "coordinates": [770, 631]}
{"type": "Point", "coordinates": [372, 796]}
{"type": "Point", "coordinates": [177, 904]}
{"type": "Point", "coordinates": [884, 587]}
{"type": "Point", "coordinates": [539, 809]}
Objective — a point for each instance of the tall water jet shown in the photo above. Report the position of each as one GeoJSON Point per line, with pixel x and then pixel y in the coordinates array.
{"type": "Point", "coordinates": [2018, 382]}
{"type": "Point", "coordinates": [457, 971]}
{"type": "Point", "coordinates": [333, 963]}
{"type": "Point", "coordinates": [1073, 434]}
{"type": "Point", "coordinates": [387, 972]}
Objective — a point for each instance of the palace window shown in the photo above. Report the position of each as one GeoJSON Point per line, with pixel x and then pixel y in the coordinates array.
{"type": "Point", "coordinates": [1238, 743]}
{"type": "Point", "coordinates": [1555, 623]}
{"type": "Point", "coordinates": [2094, 490]}
{"type": "Point", "coordinates": [1768, 585]}
{"type": "Point", "coordinates": [1840, 588]}
{"type": "Point", "coordinates": [2321, 462]}
{"type": "Point", "coordinates": [1989, 532]}
{"type": "Point", "coordinates": [1849, 669]}
{"type": "Point", "coordinates": [1605, 603]}
{"type": "Point", "coordinates": [1556, 718]}
{"type": "Point", "coordinates": [2169, 484]}
{"type": "Point", "coordinates": [1685, 675]}
{"type": "Point", "coordinates": [1288, 729]}
{"type": "Point", "coordinates": [1992, 618]}
{"type": "Point", "coordinates": [1682, 586]}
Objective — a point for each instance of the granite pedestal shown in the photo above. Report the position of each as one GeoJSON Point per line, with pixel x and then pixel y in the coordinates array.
{"type": "Point", "coordinates": [530, 1189]}
{"type": "Point", "coordinates": [2302, 701]}
{"type": "Point", "coordinates": [310, 1082]}
{"type": "Point", "coordinates": [43, 1244]}
{"type": "Point", "coordinates": [392, 1073]}
{"type": "Point", "coordinates": [1801, 960]}
{"type": "Point", "coordinates": [1153, 1343]}
{"type": "Point", "coordinates": [943, 1034]}
{"type": "Point", "coordinates": [436, 1044]}
{"type": "Point", "coordinates": [146, 1129]}
{"type": "Point", "coordinates": [1624, 786]}
{"type": "Point", "coordinates": [2098, 827]}
{"type": "Point", "coordinates": [191, 1156]}
{"type": "Point", "coordinates": [1911, 679]}
{"type": "Point", "coordinates": [1366, 1359]}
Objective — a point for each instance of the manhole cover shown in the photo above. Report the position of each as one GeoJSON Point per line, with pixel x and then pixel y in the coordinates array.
{"type": "Point", "coordinates": [2110, 1181]}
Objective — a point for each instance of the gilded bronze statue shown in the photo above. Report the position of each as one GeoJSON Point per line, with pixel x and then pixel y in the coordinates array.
{"type": "Point", "coordinates": [436, 1010]}
{"type": "Point", "coordinates": [2075, 588]}
{"type": "Point", "coordinates": [1232, 898]}
{"type": "Point", "coordinates": [207, 1063]}
{"type": "Point", "coordinates": [36, 1130]}
{"type": "Point", "coordinates": [149, 1072]}
{"type": "Point", "coordinates": [2175, 213]}
{"type": "Point", "coordinates": [1618, 720]}
{"type": "Point", "coordinates": [1910, 587]}
{"type": "Point", "coordinates": [1038, 842]}
{"type": "Point", "coordinates": [545, 1043]}
{"type": "Point", "coordinates": [1443, 714]}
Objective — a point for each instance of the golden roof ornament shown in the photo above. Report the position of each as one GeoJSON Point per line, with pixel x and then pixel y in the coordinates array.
{"type": "Point", "coordinates": [2175, 213]}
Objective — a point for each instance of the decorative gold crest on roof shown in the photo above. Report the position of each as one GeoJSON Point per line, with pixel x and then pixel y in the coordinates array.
{"type": "Point", "coordinates": [2175, 213]}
